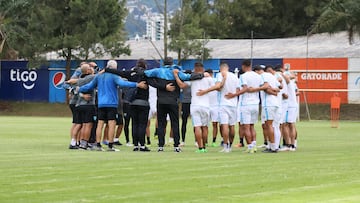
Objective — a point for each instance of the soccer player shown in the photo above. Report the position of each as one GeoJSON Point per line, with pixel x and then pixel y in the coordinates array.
{"type": "Point", "coordinates": [250, 83]}
{"type": "Point", "coordinates": [291, 113]}
{"type": "Point", "coordinates": [226, 82]}
{"type": "Point", "coordinates": [270, 106]}
{"type": "Point", "coordinates": [86, 105]}
{"type": "Point", "coordinates": [76, 124]}
{"type": "Point", "coordinates": [185, 110]}
{"type": "Point", "coordinates": [108, 101]}
{"type": "Point", "coordinates": [167, 100]}
{"type": "Point", "coordinates": [152, 113]}
{"type": "Point", "coordinates": [200, 105]}
{"type": "Point", "coordinates": [281, 97]}
{"type": "Point", "coordinates": [214, 111]}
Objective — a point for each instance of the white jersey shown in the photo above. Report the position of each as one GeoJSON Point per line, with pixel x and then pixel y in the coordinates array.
{"type": "Point", "coordinates": [292, 94]}
{"type": "Point", "coordinates": [269, 100]}
{"type": "Point", "coordinates": [250, 79]}
{"type": "Point", "coordinates": [197, 85]}
{"type": "Point", "coordinates": [230, 85]}
{"type": "Point", "coordinates": [279, 96]}
{"type": "Point", "coordinates": [152, 97]}
{"type": "Point", "coordinates": [214, 95]}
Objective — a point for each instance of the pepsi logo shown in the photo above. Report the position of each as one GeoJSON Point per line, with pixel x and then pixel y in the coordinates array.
{"type": "Point", "coordinates": [58, 79]}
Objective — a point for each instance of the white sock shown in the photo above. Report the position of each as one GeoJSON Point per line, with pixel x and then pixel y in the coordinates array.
{"type": "Point", "coordinates": [73, 142]}
{"type": "Point", "coordinates": [272, 146]}
{"type": "Point", "coordinates": [116, 139]}
{"type": "Point", "coordinates": [250, 146]}
{"type": "Point", "coordinates": [253, 143]}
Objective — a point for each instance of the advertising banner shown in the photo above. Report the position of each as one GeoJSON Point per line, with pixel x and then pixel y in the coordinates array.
{"type": "Point", "coordinates": [18, 83]}
{"type": "Point", "coordinates": [320, 78]}
{"type": "Point", "coordinates": [354, 81]}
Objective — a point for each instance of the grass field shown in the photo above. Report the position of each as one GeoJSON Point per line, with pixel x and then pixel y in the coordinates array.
{"type": "Point", "coordinates": [36, 166]}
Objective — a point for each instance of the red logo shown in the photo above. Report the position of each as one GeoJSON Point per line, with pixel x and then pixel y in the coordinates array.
{"type": "Point", "coordinates": [58, 80]}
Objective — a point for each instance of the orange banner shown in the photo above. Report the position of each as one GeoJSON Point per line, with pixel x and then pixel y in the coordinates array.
{"type": "Point", "coordinates": [314, 74]}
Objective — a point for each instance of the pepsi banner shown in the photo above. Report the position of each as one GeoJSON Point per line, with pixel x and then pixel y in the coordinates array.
{"type": "Point", "coordinates": [18, 83]}
{"type": "Point", "coordinates": [56, 80]}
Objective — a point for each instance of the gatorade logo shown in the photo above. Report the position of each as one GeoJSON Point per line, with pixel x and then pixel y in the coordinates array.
{"type": "Point", "coordinates": [58, 80]}
{"type": "Point", "coordinates": [27, 77]}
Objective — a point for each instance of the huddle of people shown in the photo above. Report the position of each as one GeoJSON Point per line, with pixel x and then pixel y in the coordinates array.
{"type": "Point", "coordinates": [104, 99]}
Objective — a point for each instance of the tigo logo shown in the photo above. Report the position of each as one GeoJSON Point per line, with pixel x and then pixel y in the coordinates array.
{"type": "Point", "coordinates": [58, 80]}
{"type": "Point", "coordinates": [27, 77]}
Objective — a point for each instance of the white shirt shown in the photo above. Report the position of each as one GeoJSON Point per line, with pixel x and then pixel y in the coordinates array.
{"type": "Point", "coordinates": [292, 94]}
{"type": "Point", "coordinates": [269, 100]}
{"type": "Point", "coordinates": [214, 95]}
{"type": "Point", "coordinates": [250, 79]}
{"type": "Point", "coordinates": [230, 85]}
{"type": "Point", "coordinates": [152, 97]}
{"type": "Point", "coordinates": [197, 85]}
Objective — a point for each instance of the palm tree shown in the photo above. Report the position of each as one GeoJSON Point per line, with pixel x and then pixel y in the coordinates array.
{"type": "Point", "coordinates": [340, 15]}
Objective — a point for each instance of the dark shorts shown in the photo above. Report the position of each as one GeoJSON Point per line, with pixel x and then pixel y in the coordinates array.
{"type": "Point", "coordinates": [119, 119]}
{"type": "Point", "coordinates": [107, 113]}
{"type": "Point", "coordinates": [75, 114]}
{"type": "Point", "coordinates": [86, 113]}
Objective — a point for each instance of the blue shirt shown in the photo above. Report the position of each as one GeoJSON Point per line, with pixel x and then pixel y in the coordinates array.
{"type": "Point", "coordinates": [166, 73]}
{"type": "Point", "coordinates": [107, 89]}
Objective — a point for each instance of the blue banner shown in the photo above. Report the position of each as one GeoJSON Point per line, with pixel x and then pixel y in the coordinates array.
{"type": "Point", "coordinates": [18, 83]}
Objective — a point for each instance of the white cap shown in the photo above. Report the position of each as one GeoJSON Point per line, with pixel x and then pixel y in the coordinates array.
{"type": "Point", "coordinates": [112, 64]}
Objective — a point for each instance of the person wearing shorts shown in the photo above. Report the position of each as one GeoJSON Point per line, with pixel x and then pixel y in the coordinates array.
{"type": "Point", "coordinates": [250, 83]}
{"type": "Point", "coordinates": [200, 105]}
{"type": "Point", "coordinates": [226, 82]}
{"type": "Point", "coordinates": [291, 114]}
{"type": "Point", "coordinates": [270, 107]}
{"type": "Point", "coordinates": [214, 110]}
{"type": "Point", "coordinates": [108, 101]}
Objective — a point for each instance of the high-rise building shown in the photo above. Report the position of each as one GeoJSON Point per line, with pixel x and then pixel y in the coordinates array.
{"type": "Point", "coordinates": [155, 27]}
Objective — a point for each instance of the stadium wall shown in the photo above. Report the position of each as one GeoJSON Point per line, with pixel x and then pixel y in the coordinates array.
{"type": "Point", "coordinates": [318, 78]}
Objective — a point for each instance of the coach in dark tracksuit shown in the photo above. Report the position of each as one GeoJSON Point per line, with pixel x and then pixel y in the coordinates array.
{"type": "Point", "coordinates": [167, 102]}
{"type": "Point", "coordinates": [139, 106]}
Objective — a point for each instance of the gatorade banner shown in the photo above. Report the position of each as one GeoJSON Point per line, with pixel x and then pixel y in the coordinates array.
{"type": "Point", "coordinates": [320, 78]}
{"type": "Point", "coordinates": [18, 83]}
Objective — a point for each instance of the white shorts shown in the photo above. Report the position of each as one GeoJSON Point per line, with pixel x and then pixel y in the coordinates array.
{"type": "Point", "coordinates": [200, 116]}
{"type": "Point", "coordinates": [227, 115]}
{"type": "Point", "coordinates": [249, 114]}
{"type": "Point", "coordinates": [214, 114]}
{"type": "Point", "coordinates": [152, 113]}
{"type": "Point", "coordinates": [270, 113]}
{"type": "Point", "coordinates": [284, 108]}
{"type": "Point", "coordinates": [291, 115]}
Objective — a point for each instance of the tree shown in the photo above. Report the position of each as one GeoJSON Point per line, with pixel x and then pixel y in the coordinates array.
{"type": "Point", "coordinates": [73, 28]}
{"type": "Point", "coordinates": [187, 38]}
{"type": "Point", "coordinates": [235, 19]}
{"type": "Point", "coordinates": [11, 23]}
{"type": "Point", "coordinates": [340, 15]}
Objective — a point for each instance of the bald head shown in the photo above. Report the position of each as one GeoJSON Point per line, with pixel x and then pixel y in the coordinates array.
{"type": "Point", "coordinates": [85, 68]}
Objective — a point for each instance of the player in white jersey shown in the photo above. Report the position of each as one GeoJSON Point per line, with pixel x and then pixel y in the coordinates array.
{"type": "Point", "coordinates": [152, 112]}
{"type": "Point", "coordinates": [270, 106]}
{"type": "Point", "coordinates": [291, 113]}
{"type": "Point", "coordinates": [200, 105]}
{"type": "Point", "coordinates": [214, 111]}
{"type": "Point", "coordinates": [281, 97]}
{"type": "Point", "coordinates": [251, 83]}
{"type": "Point", "coordinates": [226, 82]}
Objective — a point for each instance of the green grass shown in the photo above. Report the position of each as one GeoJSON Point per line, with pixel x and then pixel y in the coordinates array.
{"type": "Point", "coordinates": [36, 166]}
